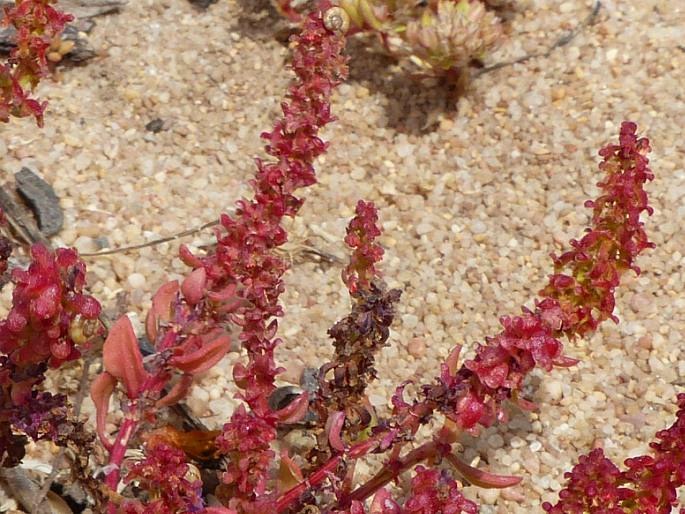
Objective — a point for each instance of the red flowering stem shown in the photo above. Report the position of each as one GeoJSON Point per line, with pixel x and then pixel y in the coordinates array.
{"type": "Point", "coordinates": [244, 255]}
{"type": "Point", "coordinates": [359, 336]}
{"type": "Point", "coordinates": [580, 294]}
{"type": "Point", "coordinates": [581, 290]}
{"type": "Point", "coordinates": [362, 232]}
{"type": "Point", "coordinates": [37, 23]}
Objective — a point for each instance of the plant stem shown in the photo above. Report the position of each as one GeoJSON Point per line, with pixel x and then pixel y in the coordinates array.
{"type": "Point", "coordinates": [393, 469]}
{"type": "Point", "coordinates": [116, 456]}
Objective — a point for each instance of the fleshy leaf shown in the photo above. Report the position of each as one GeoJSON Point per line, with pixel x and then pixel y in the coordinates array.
{"type": "Point", "coordinates": [193, 286]}
{"type": "Point", "coordinates": [122, 358]}
{"type": "Point", "coordinates": [176, 393]}
{"type": "Point", "coordinates": [334, 427]}
{"type": "Point", "coordinates": [161, 309]}
{"type": "Point", "coordinates": [100, 392]}
{"type": "Point", "coordinates": [481, 478]}
{"type": "Point", "coordinates": [295, 410]}
{"type": "Point", "coordinates": [204, 357]}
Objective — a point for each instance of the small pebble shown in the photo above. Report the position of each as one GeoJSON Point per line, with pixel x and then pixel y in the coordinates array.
{"type": "Point", "coordinates": [85, 244]}
{"type": "Point", "coordinates": [417, 347]}
{"type": "Point", "coordinates": [136, 280]}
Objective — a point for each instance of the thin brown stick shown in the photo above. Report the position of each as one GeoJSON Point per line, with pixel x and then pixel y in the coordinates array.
{"type": "Point", "coordinates": [154, 242]}
{"type": "Point", "coordinates": [323, 256]}
{"type": "Point", "coordinates": [563, 40]}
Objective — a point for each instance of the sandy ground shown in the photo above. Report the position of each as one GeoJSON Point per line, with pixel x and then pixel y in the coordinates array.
{"type": "Point", "coordinates": [474, 193]}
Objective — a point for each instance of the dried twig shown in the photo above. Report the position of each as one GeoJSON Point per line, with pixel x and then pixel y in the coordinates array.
{"type": "Point", "coordinates": [302, 248]}
{"type": "Point", "coordinates": [564, 40]}
{"type": "Point", "coordinates": [154, 242]}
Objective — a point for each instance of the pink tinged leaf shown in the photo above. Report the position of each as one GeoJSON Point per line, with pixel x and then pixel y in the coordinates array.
{"type": "Point", "coordinates": [241, 375]}
{"type": "Point", "coordinates": [495, 376]}
{"type": "Point", "coordinates": [224, 294]}
{"type": "Point", "coordinates": [100, 392]}
{"type": "Point", "coordinates": [89, 307]}
{"type": "Point", "coordinates": [481, 478]}
{"type": "Point", "coordinates": [193, 286]}
{"type": "Point", "coordinates": [176, 393]}
{"type": "Point", "coordinates": [294, 411]}
{"type": "Point", "coordinates": [470, 410]}
{"type": "Point", "coordinates": [188, 258]}
{"type": "Point", "coordinates": [453, 359]}
{"type": "Point", "coordinates": [218, 510]}
{"type": "Point", "coordinates": [16, 321]}
{"type": "Point", "coordinates": [334, 426]}
{"type": "Point", "coordinates": [388, 439]}
{"type": "Point", "coordinates": [122, 358]}
{"type": "Point", "coordinates": [525, 404]}
{"type": "Point", "coordinates": [564, 361]}
{"type": "Point", "coordinates": [160, 311]}
{"type": "Point", "coordinates": [204, 358]}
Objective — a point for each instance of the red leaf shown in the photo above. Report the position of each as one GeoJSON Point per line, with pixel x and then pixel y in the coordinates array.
{"type": "Point", "coordinates": [161, 309]}
{"type": "Point", "coordinates": [122, 358]}
{"type": "Point", "coordinates": [334, 427]}
{"type": "Point", "coordinates": [295, 410]}
{"type": "Point", "coordinates": [100, 392]}
{"type": "Point", "coordinates": [176, 393]}
{"type": "Point", "coordinates": [193, 286]}
{"type": "Point", "coordinates": [206, 356]}
{"type": "Point", "coordinates": [481, 478]}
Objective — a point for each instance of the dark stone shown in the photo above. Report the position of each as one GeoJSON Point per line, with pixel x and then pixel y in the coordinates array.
{"type": "Point", "coordinates": [155, 126]}
{"type": "Point", "coordinates": [42, 200]}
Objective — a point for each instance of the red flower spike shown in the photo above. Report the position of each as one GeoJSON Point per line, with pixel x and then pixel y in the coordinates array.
{"type": "Point", "coordinates": [162, 473]}
{"type": "Point", "coordinates": [37, 24]}
{"type": "Point", "coordinates": [50, 319]}
{"type": "Point", "coordinates": [246, 439]}
{"type": "Point", "coordinates": [582, 287]}
{"type": "Point", "coordinates": [362, 232]}
{"type": "Point", "coordinates": [594, 481]}
{"type": "Point", "coordinates": [244, 258]}
{"type": "Point", "coordinates": [122, 358]}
